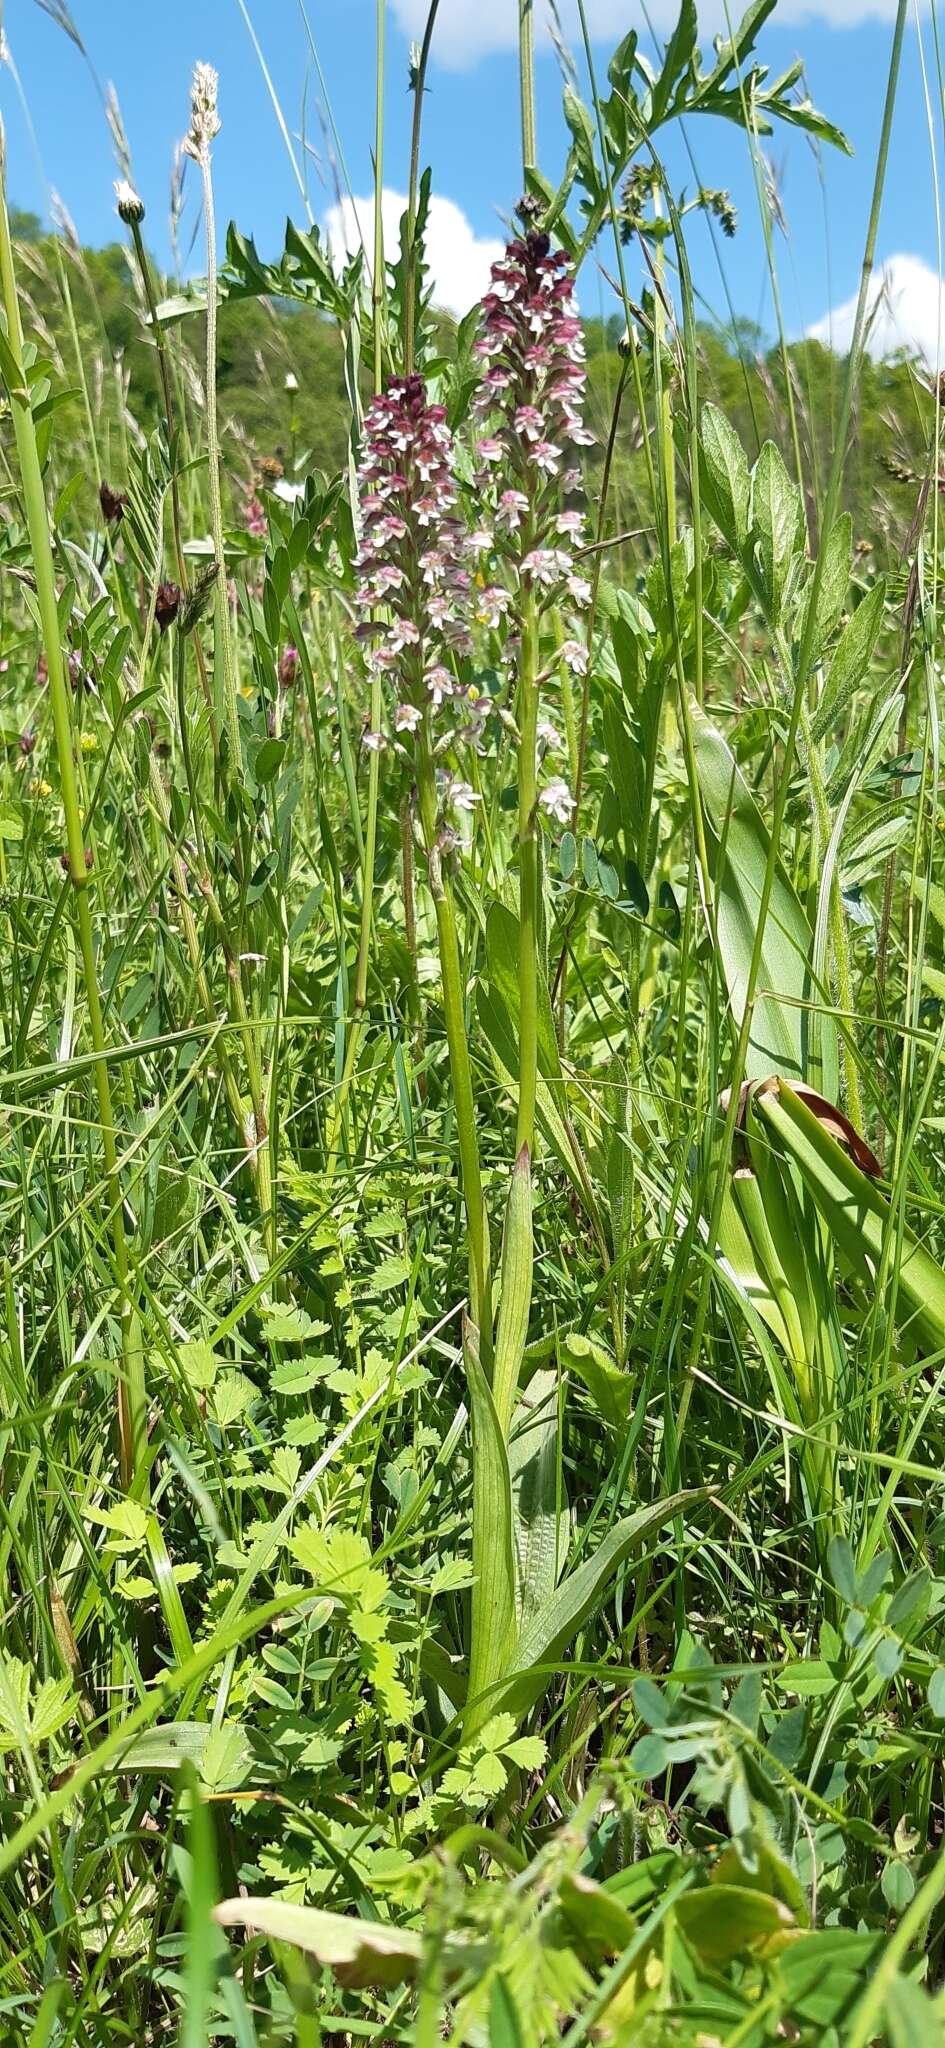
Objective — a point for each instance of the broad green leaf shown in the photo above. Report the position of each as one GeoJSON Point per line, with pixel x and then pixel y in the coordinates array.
{"type": "Point", "coordinates": [726, 479]}
{"type": "Point", "coordinates": [360, 1952]}
{"type": "Point", "coordinates": [726, 1920]}
{"type": "Point", "coordinates": [851, 660]}
{"type": "Point", "coordinates": [777, 524]}
{"type": "Point", "coordinates": [780, 1040]}
{"type": "Point", "coordinates": [834, 584]}
{"type": "Point", "coordinates": [601, 1924]}
{"type": "Point", "coordinates": [492, 1604]}
{"type": "Point", "coordinates": [610, 1389]}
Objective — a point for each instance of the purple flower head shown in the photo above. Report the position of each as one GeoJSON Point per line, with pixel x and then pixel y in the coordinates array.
{"type": "Point", "coordinates": [414, 589]}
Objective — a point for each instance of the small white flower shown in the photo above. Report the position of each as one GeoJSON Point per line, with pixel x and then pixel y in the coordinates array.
{"type": "Point", "coordinates": [492, 605]}
{"type": "Point", "coordinates": [549, 736]}
{"type": "Point", "coordinates": [574, 656]}
{"type": "Point", "coordinates": [291, 381]}
{"type": "Point", "coordinates": [461, 796]}
{"type": "Point", "coordinates": [546, 457]}
{"type": "Point", "coordinates": [439, 682]}
{"type": "Point", "coordinates": [407, 718]}
{"type": "Point", "coordinates": [557, 800]}
{"type": "Point", "coordinates": [375, 742]}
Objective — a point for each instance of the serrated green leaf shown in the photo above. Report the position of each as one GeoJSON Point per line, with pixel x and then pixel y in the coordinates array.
{"type": "Point", "coordinates": [851, 661]}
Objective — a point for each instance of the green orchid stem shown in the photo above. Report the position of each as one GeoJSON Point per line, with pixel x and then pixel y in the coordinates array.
{"type": "Point", "coordinates": [528, 884]}
{"type": "Point", "coordinates": [364, 943]}
{"type": "Point", "coordinates": [132, 1399]}
{"type": "Point", "coordinates": [356, 1023]}
{"type": "Point", "coordinates": [454, 1010]}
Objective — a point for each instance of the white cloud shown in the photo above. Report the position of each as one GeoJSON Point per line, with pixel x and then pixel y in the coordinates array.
{"type": "Point", "coordinates": [906, 312]}
{"type": "Point", "coordinates": [469, 29]}
{"type": "Point", "coordinates": [459, 260]}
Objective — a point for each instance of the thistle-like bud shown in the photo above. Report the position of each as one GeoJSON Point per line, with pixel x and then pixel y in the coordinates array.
{"type": "Point", "coordinates": [130, 206]}
{"type": "Point", "coordinates": [204, 118]}
{"type": "Point", "coordinates": [193, 606]}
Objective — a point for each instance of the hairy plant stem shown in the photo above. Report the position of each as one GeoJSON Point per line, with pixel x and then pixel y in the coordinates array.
{"type": "Point", "coordinates": [528, 872]}
{"type": "Point", "coordinates": [164, 373]}
{"type": "Point", "coordinates": [526, 70]}
{"type": "Point", "coordinates": [377, 280]}
{"type": "Point", "coordinates": [454, 1011]}
{"type": "Point", "coordinates": [224, 634]}
{"type": "Point", "coordinates": [132, 1396]}
{"type": "Point", "coordinates": [256, 1140]}
{"type": "Point", "coordinates": [419, 81]}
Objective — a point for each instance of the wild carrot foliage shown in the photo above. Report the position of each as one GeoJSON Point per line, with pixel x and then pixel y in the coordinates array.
{"type": "Point", "coordinates": [472, 1323]}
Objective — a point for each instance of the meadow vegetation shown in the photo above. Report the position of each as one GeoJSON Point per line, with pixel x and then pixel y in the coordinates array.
{"type": "Point", "coordinates": [472, 993]}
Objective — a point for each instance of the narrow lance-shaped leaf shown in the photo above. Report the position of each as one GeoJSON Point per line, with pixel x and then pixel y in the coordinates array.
{"type": "Point", "coordinates": [541, 1540]}
{"type": "Point", "coordinates": [856, 1211]}
{"type": "Point", "coordinates": [543, 1642]}
{"type": "Point", "coordinates": [517, 1261]}
{"type": "Point", "coordinates": [493, 1618]}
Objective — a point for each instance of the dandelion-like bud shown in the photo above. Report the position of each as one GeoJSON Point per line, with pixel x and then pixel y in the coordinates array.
{"type": "Point", "coordinates": [130, 206]}
{"type": "Point", "coordinates": [204, 118]}
{"type": "Point", "coordinates": [414, 588]}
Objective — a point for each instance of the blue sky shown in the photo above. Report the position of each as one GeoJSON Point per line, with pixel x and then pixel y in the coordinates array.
{"type": "Point", "coordinates": [470, 131]}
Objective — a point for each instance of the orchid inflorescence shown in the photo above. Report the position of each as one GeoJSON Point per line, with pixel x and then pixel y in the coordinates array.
{"type": "Point", "coordinates": [414, 559]}
{"type": "Point", "coordinates": [531, 397]}
{"type": "Point", "coordinates": [432, 568]}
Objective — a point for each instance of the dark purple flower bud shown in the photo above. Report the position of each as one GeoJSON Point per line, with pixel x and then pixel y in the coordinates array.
{"type": "Point", "coordinates": [288, 666]}
{"type": "Point", "coordinates": [113, 504]}
{"type": "Point", "coordinates": [28, 741]}
{"type": "Point", "coordinates": [167, 604]}
{"type": "Point", "coordinates": [66, 864]}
